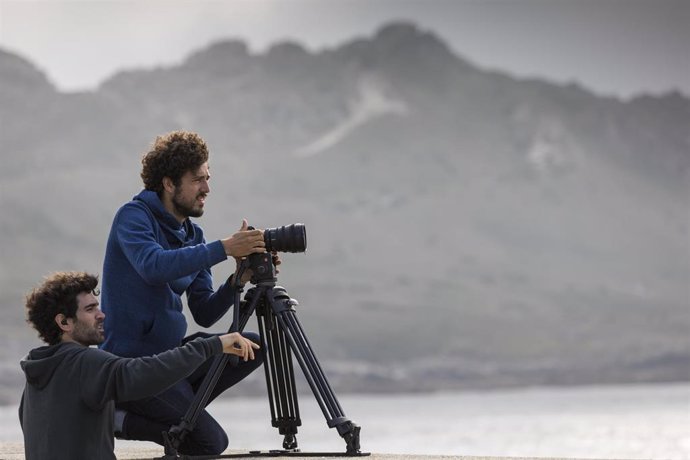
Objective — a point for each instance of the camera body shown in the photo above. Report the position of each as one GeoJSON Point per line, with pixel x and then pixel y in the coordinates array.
{"type": "Point", "coordinates": [288, 238]}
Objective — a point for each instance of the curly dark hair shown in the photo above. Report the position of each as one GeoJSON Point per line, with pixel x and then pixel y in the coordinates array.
{"type": "Point", "coordinates": [172, 155]}
{"type": "Point", "coordinates": [57, 294]}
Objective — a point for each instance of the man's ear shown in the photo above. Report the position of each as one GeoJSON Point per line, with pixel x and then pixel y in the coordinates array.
{"type": "Point", "coordinates": [62, 322]}
{"type": "Point", "coordinates": [168, 185]}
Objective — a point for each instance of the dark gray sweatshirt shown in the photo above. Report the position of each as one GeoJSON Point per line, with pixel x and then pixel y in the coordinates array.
{"type": "Point", "coordinates": [67, 407]}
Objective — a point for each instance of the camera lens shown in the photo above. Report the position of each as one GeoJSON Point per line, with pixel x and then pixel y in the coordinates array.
{"type": "Point", "coordinates": [288, 238]}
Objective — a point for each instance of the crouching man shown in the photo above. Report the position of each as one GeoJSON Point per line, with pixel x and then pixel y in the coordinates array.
{"type": "Point", "coordinates": [66, 411]}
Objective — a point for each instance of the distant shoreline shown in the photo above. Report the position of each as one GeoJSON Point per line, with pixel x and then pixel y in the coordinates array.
{"type": "Point", "coordinates": [304, 391]}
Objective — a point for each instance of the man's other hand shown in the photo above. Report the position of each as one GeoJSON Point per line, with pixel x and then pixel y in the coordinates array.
{"type": "Point", "coordinates": [235, 344]}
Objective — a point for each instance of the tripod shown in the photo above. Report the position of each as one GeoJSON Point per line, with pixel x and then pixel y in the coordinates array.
{"type": "Point", "coordinates": [282, 334]}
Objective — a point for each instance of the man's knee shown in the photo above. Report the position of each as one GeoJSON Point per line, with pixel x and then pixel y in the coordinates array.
{"type": "Point", "coordinates": [218, 443]}
{"type": "Point", "coordinates": [205, 441]}
{"type": "Point", "coordinates": [253, 336]}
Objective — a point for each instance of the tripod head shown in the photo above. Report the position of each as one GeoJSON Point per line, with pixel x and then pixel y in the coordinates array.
{"type": "Point", "coordinates": [262, 267]}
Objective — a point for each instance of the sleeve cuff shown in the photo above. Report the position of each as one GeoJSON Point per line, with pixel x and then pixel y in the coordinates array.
{"type": "Point", "coordinates": [216, 253]}
{"type": "Point", "coordinates": [216, 345]}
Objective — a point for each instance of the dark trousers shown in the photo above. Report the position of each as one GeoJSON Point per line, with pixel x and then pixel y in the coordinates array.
{"type": "Point", "coordinates": [147, 418]}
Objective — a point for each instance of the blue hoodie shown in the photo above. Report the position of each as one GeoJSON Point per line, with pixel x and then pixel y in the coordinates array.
{"type": "Point", "coordinates": [150, 261]}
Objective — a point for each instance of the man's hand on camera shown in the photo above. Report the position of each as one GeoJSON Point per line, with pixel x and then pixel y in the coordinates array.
{"type": "Point", "coordinates": [276, 261]}
{"type": "Point", "coordinates": [244, 242]}
{"type": "Point", "coordinates": [246, 274]}
{"type": "Point", "coordinates": [235, 344]}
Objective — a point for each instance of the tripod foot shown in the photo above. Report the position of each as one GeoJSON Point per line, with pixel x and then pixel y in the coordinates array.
{"type": "Point", "coordinates": [350, 433]}
{"type": "Point", "coordinates": [170, 445]}
{"type": "Point", "coordinates": [290, 442]}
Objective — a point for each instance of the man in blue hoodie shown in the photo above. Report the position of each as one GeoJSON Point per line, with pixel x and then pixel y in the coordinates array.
{"type": "Point", "coordinates": [154, 254]}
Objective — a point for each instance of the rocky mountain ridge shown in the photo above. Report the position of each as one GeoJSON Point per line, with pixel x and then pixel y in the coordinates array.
{"type": "Point", "coordinates": [516, 231]}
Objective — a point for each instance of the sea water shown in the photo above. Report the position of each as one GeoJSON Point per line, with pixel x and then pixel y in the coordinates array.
{"type": "Point", "coordinates": [614, 422]}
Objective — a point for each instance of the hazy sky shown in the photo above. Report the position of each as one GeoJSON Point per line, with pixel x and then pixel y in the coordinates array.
{"type": "Point", "coordinates": [613, 47]}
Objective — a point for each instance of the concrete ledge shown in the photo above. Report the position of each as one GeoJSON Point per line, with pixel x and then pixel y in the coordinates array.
{"type": "Point", "coordinates": [15, 451]}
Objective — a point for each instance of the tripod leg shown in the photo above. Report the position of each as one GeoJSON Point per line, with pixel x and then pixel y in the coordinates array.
{"type": "Point", "coordinates": [283, 308]}
{"type": "Point", "coordinates": [280, 379]}
{"type": "Point", "coordinates": [173, 438]}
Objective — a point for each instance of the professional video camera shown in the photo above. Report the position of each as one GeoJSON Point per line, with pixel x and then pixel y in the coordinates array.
{"type": "Point", "coordinates": [288, 238]}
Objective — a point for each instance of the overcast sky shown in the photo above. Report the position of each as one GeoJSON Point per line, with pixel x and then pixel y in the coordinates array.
{"type": "Point", "coordinates": [612, 47]}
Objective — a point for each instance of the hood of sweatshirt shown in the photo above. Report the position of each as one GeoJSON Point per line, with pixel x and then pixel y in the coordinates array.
{"type": "Point", "coordinates": [40, 364]}
{"type": "Point", "coordinates": [177, 234]}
